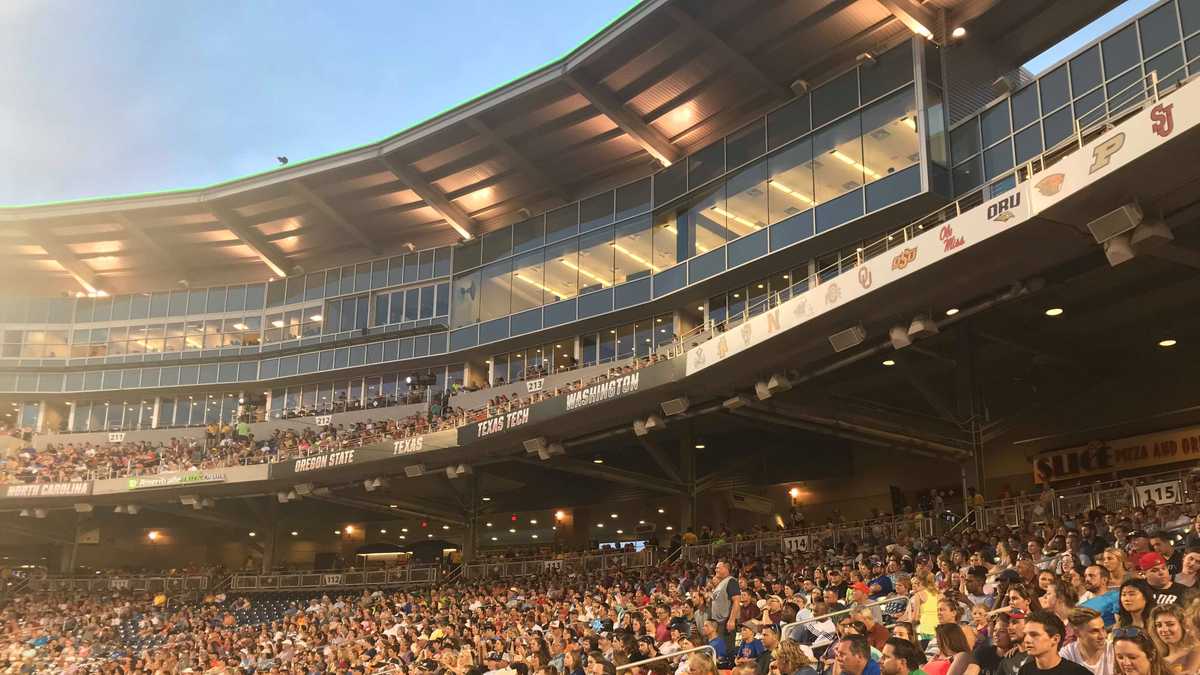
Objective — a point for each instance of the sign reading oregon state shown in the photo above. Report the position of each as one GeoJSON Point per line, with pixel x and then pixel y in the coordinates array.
{"type": "Point", "coordinates": [1156, 124]}
{"type": "Point", "coordinates": [1098, 457]}
{"type": "Point", "coordinates": [375, 452]}
{"type": "Point", "coordinates": [931, 246]}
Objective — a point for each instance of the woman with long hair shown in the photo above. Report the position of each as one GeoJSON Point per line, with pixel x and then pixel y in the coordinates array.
{"type": "Point", "coordinates": [1060, 598]}
{"type": "Point", "coordinates": [1174, 639]}
{"type": "Point", "coordinates": [789, 659]}
{"type": "Point", "coordinates": [955, 652]}
{"type": "Point", "coordinates": [1136, 654]}
{"type": "Point", "coordinates": [905, 631]}
{"type": "Point", "coordinates": [923, 604]}
{"type": "Point", "coordinates": [1021, 599]}
{"type": "Point", "coordinates": [1136, 603]}
{"type": "Point", "coordinates": [1004, 559]}
{"type": "Point", "coordinates": [1113, 560]}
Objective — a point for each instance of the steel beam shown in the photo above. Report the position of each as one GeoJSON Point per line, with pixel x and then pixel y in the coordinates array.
{"type": "Point", "coordinates": [403, 508]}
{"type": "Point", "coordinates": [138, 232]}
{"type": "Point", "coordinates": [660, 458]}
{"type": "Point", "coordinates": [433, 197]}
{"type": "Point", "coordinates": [59, 253]}
{"type": "Point", "coordinates": [523, 163]}
{"type": "Point", "coordinates": [268, 252]}
{"type": "Point", "coordinates": [699, 33]}
{"type": "Point", "coordinates": [322, 205]}
{"type": "Point", "coordinates": [651, 139]}
{"type": "Point", "coordinates": [915, 17]}
{"type": "Point", "coordinates": [607, 473]}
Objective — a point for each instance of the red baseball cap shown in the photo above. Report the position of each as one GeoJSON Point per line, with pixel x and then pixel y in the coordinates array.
{"type": "Point", "coordinates": [860, 586]}
{"type": "Point", "coordinates": [1150, 561]}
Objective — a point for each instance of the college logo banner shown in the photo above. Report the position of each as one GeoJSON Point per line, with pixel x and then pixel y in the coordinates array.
{"type": "Point", "coordinates": [376, 452]}
{"type": "Point", "coordinates": [27, 490]}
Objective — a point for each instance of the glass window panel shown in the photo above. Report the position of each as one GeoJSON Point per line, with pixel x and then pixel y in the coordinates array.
{"type": "Point", "coordinates": [395, 271]}
{"type": "Point", "coordinates": [632, 249]}
{"type": "Point", "coordinates": [362, 277]}
{"type": "Point", "coordinates": [1057, 127]}
{"type": "Point", "coordinates": [791, 180]}
{"type": "Point", "coordinates": [333, 282]}
{"type": "Point", "coordinates": [466, 256]}
{"type": "Point", "coordinates": [1024, 107]}
{"type": "Point", "coordinates": [1028, 143]}
{"type": "Point", "coordinates": [139, 306]}
{"type": "Point", "coordinates": [746, 201]}
{"type": "Point", "coordinates": [670, 182]}
{"type": "Point", "coordinates": [625, 341]}
{"type": "Point", "coordinates": [197, 301]}
{"type": "Point", "coordinates": [1120, 52]}
{"type": "Point", "coordinates": [1085, 72]}
{"type": "Point", "coordinates": [747, 248]}
{"type": "Point", "coordinates": [412, 304]}
{"type": "Point", "coordinates": [216, 300]}
{"type": "Point", "coordinates": [1169, 66]}
{"type": "Point", "coordinates": [421, 345]}
{"type": "Point", "coordinates": [561, 271]}
{"type": "Point", "coordinates": [381, 316]}
{"type": "Point", "coordinates": [891, 70]}
{"type": "Point", "coordinates": [362, 308]}
{"type": "Point", "coordinates": [441, 300]}
{"type": "Point", "coordinates": [838, 211]}
{"type": "Point", "coordinates": [268, 369]}
{"type": "Point", "coordinates": [706, 223]}
{"type": "Point", "coordinates": [496, 289]}
{"type": "Point", "coordinates": [787, 123]}
{"type": "Point", "coordinates": [288, 366]}
{"type": "Point", "coordinates": [835, 98]}
{"type": "Point", "coordinates": [666, 241]}
{"type": "Point", "coordinates": [998, 159]}
{"type": "Point", "coordinates": [994, 124]}
{"type": "Point", "coordinates": [441, 261]}
{"type": "Point", "coordinates": [347, 322]}
{"type": "Point", "coordinates": [1054, 89]}
{"type": "Point", "coordinates": [347, 285]}
{"type": "Point", "coordinates": [275, 293]}
{"type": "Point", "coordinates": [598, 302]}
{"type": "Point", "coordinates": [497, 245]}
{"type": "Point", "coordinates": [1125, 90]}
{"type": "Point", "coordinates": [228, 372]}
{"type": "Point", "coordinates": [1159, 29]}
{"type": "Point", "coordinates": [890, 140]}
{"type": "Point", "coordinates": [596, 260]}
{"type": "Point", "coordinates": [745, 144]}
{"type": "Point", "coordinates": [248, 371]}
{"type": "Point", "coordinates": [314, 285]}
{"type": "Point", "coordinates": [325, 362]}
{"type": "Point", "coordinates": [178, 305]}
{"type": "Point", "coordinates": [837, 159]}
{"type": "Point", "coordinates": [529, 234]}
{"type": "Point", "coordinates": [309, 362]}
{"type": "Point", "coordinates": [892, 188]}
{"type": "Point", "coordinates": [159, 303]}
{"type": "Point", "coordinates": [1189, 13]}
{"type": "Point", "coordinates": [596, 211]}
{"type": "Point", "coordinates": [1090, 108]}
{"type": "Point", "coordinates": [121, 305]}
{"type": "Point", "coordinates": [633, 199]}
{"type": "Point", "coordinates": [464, 300]}
{"type": "Point", "coordinates": [706, 164]}
{"type": "Point", "coordinates": [562, 223]}
{"type": "Point", "coordinates": [254, 296]}
{"type": "Point", "coordinates": [379, 275]}
{"type": "Point", "coordinates": [236, 300]}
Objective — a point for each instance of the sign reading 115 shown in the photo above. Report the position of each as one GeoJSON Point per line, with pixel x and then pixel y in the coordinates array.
{"type": "Point", "coordinates": [1166, 492]}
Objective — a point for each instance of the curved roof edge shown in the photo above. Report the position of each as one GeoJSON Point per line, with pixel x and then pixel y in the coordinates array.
{"type": "Point", "coordinates": [530, 80]}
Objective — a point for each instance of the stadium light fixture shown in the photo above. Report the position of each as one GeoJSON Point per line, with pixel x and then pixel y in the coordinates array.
{"type": "Point", "coordinates": [153, 535]}
{"type": "Point", "coordinates": [958, 33]}
{"type": "Point", "coordinates": [559, 515]}
{"type": "Point", "coordinates": [1167, 343]}
{"type": "Point", "coordinates": [1054, 311]}
{"type": "Point", "coordinates": [952, 311]}
{"type": "Point", "coordinates": [295, 533]}
{"type": "Point", "coordinates": [889, 363]}
{"type": "Point", "coordinates": [597, 461]}
{"type": "Point", "coordinates": [662, 510]}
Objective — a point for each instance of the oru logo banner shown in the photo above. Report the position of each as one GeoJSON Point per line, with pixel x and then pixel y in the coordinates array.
{"type": "Point", "coordinates": [986, 220]}
{"type": "Point", "coordinates": [1151, 127]}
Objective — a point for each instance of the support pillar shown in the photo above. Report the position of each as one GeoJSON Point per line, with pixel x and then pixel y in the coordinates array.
{"type": "Point", "coordinates": [271, 541]}
{"type": "Point", "coordinates": [968, 407]}
{"type": "Point", "coordinates": [687, 467]}
{"type": "Point", "coordinates": [471, 538]}
{"type": "Point", "coordinates": [69, 553]}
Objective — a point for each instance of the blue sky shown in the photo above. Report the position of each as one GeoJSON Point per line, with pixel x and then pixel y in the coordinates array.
{"type": "Point", "coordinates": [119, 96]}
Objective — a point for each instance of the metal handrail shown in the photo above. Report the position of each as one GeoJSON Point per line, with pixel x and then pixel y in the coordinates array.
{"type": "Point", "coordinates": [665, 657]}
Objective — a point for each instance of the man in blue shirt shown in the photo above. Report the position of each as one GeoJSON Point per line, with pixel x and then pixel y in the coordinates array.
{"type": "Point", "coordinates": [854, 656]}
{"type": "Point", "coordinates": [714, 640]}
{"type": "Point", "coordinates": [881, 584]}
{"type": "Point", "coordinates": [1105, 600]}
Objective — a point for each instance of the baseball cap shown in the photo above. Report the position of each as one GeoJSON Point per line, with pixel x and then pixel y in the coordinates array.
{"type": "Point", "coordinates": [1016, 614]}
{"type": "Point", "coordinates": [494, 656]}
{"type": "Point", "coordinates": [860, 586]}
{"type": "Point", "coordinates": [1150, 560]}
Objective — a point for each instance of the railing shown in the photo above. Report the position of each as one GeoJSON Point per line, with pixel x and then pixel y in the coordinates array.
{"type": "Point", "coordinates": [890, 608]}
{"type": "Point", "coordinates": [284, 581]}
{"type": "Point", "coordinates": [805, 540]}
{"type": "Point", "coordinates": [583, 563]}
{"type": "Point", "coordinates": [1084, 129]}
{"type": "Point", "coordinates": [668, 657]}
{"type": "Point", "coordinates": [102, 583]}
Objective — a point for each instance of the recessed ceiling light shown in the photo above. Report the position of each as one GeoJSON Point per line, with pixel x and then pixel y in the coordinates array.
{"type": "Point", "coordinates": [1054, 311]}
{"type": "Point", "coordinates": [383, 532]}
{"type": "Point", "coordinates": [620, 531]}
{"type": "Point", "coordinates": [669, 528]}
{"type": "Point", "coordinates": [533, 536]}
{"type": "Point", "coordinates": [404, 529]}
{"type": "Point", "coordinates": [487, 499]}
{"type": "Point", "coordinates": [512, 530]}
{"type": "Point", "coordinates": [253, 534]}
{"type": "Point", "coordinates": [952, 311]}
{"type": "Point", "coordinates": [641, 522]}
{"type": "Point", "coordinates": [597, 461]}
{"type": "Point", "coordinates": [600, 525]}
{"type": "Point", "coordinates": [533, 521]}
{"type": "Point", "coordinates": [445, 527]}
{"type": "Point", "coordinates": [430, 535]}
{"type": "Point", "coordinates": [495, 538]}
{"type": "Point", "coordinates": [699, 446]}
{"type": "Point", "coordinates": [612, 515]}
{"type": "Point", "coordinates": [889, 362]}
{"type": "Point", "coordinates": [662, 510]}
{"type": "Point", "coordinates": [1168, 342]}
{"type": "Point", "coordinates": [295, 533]}
{"type": "Point", "coordinates": [489, 524]}
{"type": "Point", "coordinates": [958, 32]}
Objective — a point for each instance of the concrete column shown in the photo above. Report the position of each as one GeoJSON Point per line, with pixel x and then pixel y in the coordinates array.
{"type": "Point", "coordinates": [687, 466]}
{"type": "Point", "coordinates": [471, 537]}
{"type": "Point", "coordinates": [967, 399]}
{"type": "Point", "coordinates": [69, 553]}
{"type": "Point", "coordinates": [270, 541]}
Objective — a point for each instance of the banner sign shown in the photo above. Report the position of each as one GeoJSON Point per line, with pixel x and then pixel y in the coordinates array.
{"type": "Point", "coordinates": [1163, 447]}
{"type": "Point", "coordinates": [332, 579]}
{"type": "Point", "coordinates": [1154, 125]}
{"type": "Point", "coordinates": [116, 437]}
{"type": "Point", "coordinates": [26, 490]}
{"type": "Point", "coordinates": [384, 450]}
{"type": "Point", "coordinates": [612, 388]}
{"type": "Point", "coordinates": [323, 420]}
{"type": "Point", "coordinates": [795, 544]}
{"type": "Point", "coordinates": [928, 248]}
{"type": "Point", "coordinates": [169, 480]}
{"type": "Point", "coordinates": [532, 386]}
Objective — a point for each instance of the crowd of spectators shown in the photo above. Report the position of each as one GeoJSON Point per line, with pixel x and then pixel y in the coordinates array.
{"type": "Point", "coordinates": [1095, 593]}
{"type": "Point", "coordinates": [225, 444]}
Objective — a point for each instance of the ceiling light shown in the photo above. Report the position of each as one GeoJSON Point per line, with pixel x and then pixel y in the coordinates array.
{"type": "Point", "coordinates": [641, 522]}
{"type": "Point", "coordinates": [668, 528]}
{"type": "Point", "coordinates": [152, 535]}
{"type": "Point", "coordinates": [601, 525]}
{"type": "Point", "coordinates": [533, 521]}
{"type": "Point", "coordinates": [597, 461]}
{"type": "Point", "coordinates": [620, 531]}
{"type": "Point", "coordinates": [699, 446]}
{"type": "Point", "coordinates": [337, 531]}
{"type": "Point", "coordinates": [794, 492]}
{"type": "Point", "coordinates": [445, 527]}
{"type": "Point", "coordinates": [889, 362]}
{"type": "Point", "coordinates": [277, 323]}
{"type": "Point", "coordinates": [316, 317]}
{"type": "Point", "coordinates": [512, 529]}
{"type": "Point", "coordinates": [1168, 342]}
{"type": "Point", "coordinates": [383, 532]}
{"type": "Point", "coordinates": [430, 535]}
{"type": "Point", "coordinates": [295, 533]}
{"type": "Point", "coordinates": [952, 311]}
{"type": "Point", "coordinates": [1054, 311]}
{"type": "Point", "coordinates": [239, 326]}
{"type": "Point", "coordinates": [488, 524]}
{"type": "Point", "coordinates": [958, 32]}
{"type": "Point", "coordinates": [700, 308]}
{"type": "Point", "coordinates": [394, 506]}
{"type": "Point", "coordinates": [403, 537]}
{"type": "Point", "coordinates": [612, 515]}
{"type": "Point", "coordinates": [533, 536]}
{"type": "Point", "coordinates": [662, 510]}
{"type": "Point", "coordinates": [349, 529]}
{"type": "Point", "coordinates": [253, 534]}
{"type": "Point", "coordinates": [487, 499]}
{"type": "Point", "coordinates": [404, 529]}
{"type": "Point", "coordinates": [495, 538]}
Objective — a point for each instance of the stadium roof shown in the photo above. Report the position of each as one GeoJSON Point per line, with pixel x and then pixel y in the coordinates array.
{"type": "Point", "coordinates": [661, 80]}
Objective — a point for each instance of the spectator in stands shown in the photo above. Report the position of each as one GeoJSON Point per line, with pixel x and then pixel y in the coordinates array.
{"type": "Point", "coordinates": [1114, 561]}
{"type": "Point", "coordinates": [1165, 591]}
{"type": "Point", "coordinates": [1091, 648]}
{"type": "Point", "coordinates": [791, 658]}
{"type": "Point", "coordinates": [1190, 568]}
{"type": "Point", "coordinates": [923, 605]}
{"type": "Point", "coordinates": [955, 656]}
{"type": "Point", "coordinates": [900, 657]}
{"type": "Point", "coordinates": [1136, 654]}
{"type": "Point", "coordinates": [1044, 635]}
{"type": "Point", "coordinates": [1136, 603]}
{"type": "Point", "coordinates": [1174, 639]}
{"type": "Point", "coordinates": [854, 657]}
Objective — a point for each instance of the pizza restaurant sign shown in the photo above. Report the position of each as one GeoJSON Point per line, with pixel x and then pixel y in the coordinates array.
{"type": "Point", "coordinates": [1098, 457]}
